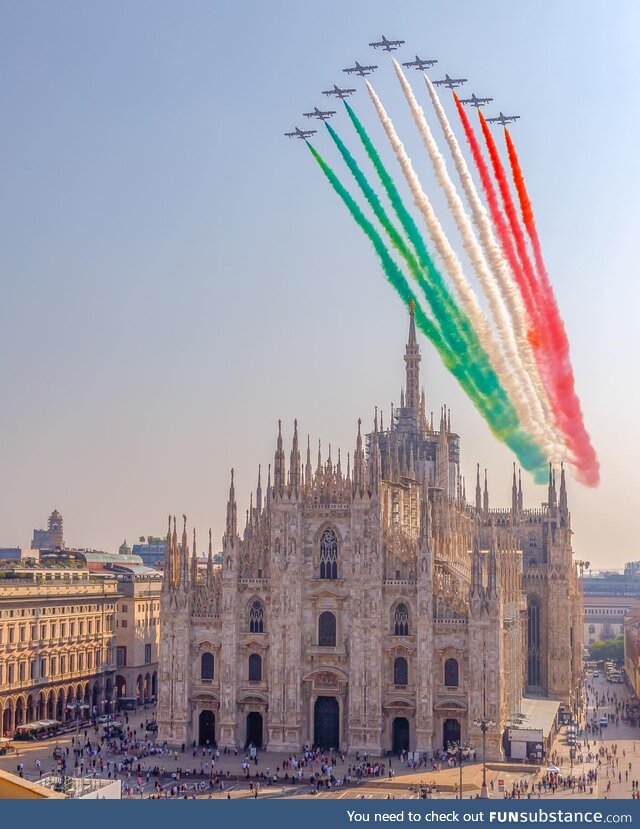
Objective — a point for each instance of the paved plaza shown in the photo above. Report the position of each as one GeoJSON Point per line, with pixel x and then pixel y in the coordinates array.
{"type": "Point", "coordinates": [153, 772]}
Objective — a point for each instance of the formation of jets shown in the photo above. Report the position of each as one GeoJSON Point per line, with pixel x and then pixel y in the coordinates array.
{"type": "Point", "coordinates": [475, 101]}
{"type": "Point", "coordinates": [360, 70]}
{"type": "Point", "coordinates": [503, 119]}
{"type": "Point", "coordinates": [418, 63]}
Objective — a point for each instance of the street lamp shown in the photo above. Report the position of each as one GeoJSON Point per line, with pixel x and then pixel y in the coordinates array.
{"type": "Point", "coordinates": [484, 723]}
{"type": "Point", "coordinates": [457, 750]}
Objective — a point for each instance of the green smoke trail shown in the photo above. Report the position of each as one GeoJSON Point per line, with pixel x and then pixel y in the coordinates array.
{"type": "Point", "coordinates": [446, 312]}
{"type": "Point", "coordinates": [459, 326]}
{"type": "Point", "coordinates": [528, 452]}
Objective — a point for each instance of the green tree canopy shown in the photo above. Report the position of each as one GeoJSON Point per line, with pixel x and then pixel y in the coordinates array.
{"type": "Point", "coordinates": [611, 649]}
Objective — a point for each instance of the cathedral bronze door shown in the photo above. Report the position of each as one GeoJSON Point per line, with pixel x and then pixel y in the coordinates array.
{"type": "Point", "coordinates": [207, 728]}
{"type": "Point", "coordinates": [326, 723]}
{"type": "Point", "coordinates": [400, 739]}
{"type": "Point", "coordinates": [450, 732]}
{"type": "Point", "coordinates": [254, 729]}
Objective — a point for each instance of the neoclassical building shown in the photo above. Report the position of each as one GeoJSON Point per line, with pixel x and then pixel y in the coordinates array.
{"type": "Point", "coordinates": [370, 606]}
{"type": "Point", "coordinates": [57, 658]}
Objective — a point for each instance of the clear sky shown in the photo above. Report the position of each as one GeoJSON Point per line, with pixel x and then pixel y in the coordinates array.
{"type": "Point", "coordinates": [176, 275]}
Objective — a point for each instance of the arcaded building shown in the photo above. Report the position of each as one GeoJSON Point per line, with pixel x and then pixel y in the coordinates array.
{"type": "Point", "coordinates": [367, 604]}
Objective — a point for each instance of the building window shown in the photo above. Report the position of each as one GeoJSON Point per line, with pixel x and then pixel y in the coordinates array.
{"type": "Point", "coordinates": [21, 672]}
{"type": "Point", "coordinates": [533, 644]}
{"type": "Point", "coordinates": [72, 663]}
{"type": "Point", "coordinates": [533, 541]}
{"type": "Point", "coordinates": [124, 623]}
{"type": "Point", "coordinates": [592, 628]}
{"type": "Point", "coordinates": [256, 617]}
{"type": "Point", "coordinates": [255, 668]}
{"type": "Point", "coordinates": [63, 664]}
{"type": "Point", "coordinates": [401, 621]}
{"type": "Point", "coordinates": [206, 666]}
{"type": "Point", "coordinates": [11, 674]}
{"type": "Point", "coordinates": [451, 673]}
{"type": "Point", "coordinates": [328, 555]}
{"type": "Point", "coordinates": [400, 671]}
{"type": "Point", "coordinates": [80, 662]}
{"type": "Point", "coordinates": [147, 654]}
{"type": "Point", "coordinates": [327, 630]}
{"type": "Point", "coordinates": [43, 668]}
{"type": "Point", "coordinates": [53, 666]}
{"type": "Point", "coordinates": [12, 634]}
{"type": "Point", "coordinates": [32, 669]}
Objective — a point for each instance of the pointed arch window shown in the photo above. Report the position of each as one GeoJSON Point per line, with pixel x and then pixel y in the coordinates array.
{"type": "Point", "coordinates": [400, 671]}
{"type": "Point", "coordinates": [206, 665]}
{"type": "Point", "coordinates": [451, 673]}
{"type": "Point", "coordinates": [255, 667]}
{"type": "Point", "coordinates": [533, 542]}
{"type": "Point", "coordinates": [256, 617]}
{"type": "Point", "coordinates": [328, 555]}
{"type": "Point", "coordinates": [533, 644]}
{"type": "Point", "coordinates": [327, 630]}
{"type": "Point", "coordinates": [401, 621]}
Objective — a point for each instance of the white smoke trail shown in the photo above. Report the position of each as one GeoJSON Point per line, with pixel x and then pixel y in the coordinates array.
{"type": "Point", "coordinates": [448, 256]}
{"type": "Point", "coordinates": [510, 365]}
{"type": "Point", "coordinates": [502, 273]}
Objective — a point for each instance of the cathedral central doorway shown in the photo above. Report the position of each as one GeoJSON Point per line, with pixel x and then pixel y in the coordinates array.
{"type": "Point", "coordinates": [207, 728]}
{"type": "Point", "coordinates": [254, 729]}
{"type": "Point", "coordinates": [450, 732]}
{"type": "Point", "coordinates": [400, 735]}
{"type": "Point", "coordinates": [326, 723]}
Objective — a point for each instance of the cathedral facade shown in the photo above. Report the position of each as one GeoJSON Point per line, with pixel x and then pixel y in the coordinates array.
{"type": "Point", "coordinates": [370, 606]}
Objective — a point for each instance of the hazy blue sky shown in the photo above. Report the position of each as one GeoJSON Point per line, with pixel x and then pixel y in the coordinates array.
{"type": "Point", "coordinates": [176, 275]}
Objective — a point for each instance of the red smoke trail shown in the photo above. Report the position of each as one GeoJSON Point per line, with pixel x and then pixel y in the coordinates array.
{"type": "Point", "coordinates": [586, 459]}
{"type": "Point", "coordinates": [501, 227]}
{"type": "Point", "coordinates": [510, 208]}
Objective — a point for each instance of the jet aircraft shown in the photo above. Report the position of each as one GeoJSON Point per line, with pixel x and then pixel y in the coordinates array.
{"type": "Point", "coordinates": [475, 101]}
{"type": "Point", "coordinates": [386, 45]}
{"type": "Point", "coordinates": [419, 64]}
{"type": "Point", "coordinates": [298, 133]}
{"type": "Point", "coordinates": [360, 70]}
{"type": "Point", "coordinates": [323, 115]}
{"type": "Point", "coordinates": [450, 82]}
{"type": "Point", "coordinates": [503, 119]}
{"type": "Point", "coordinates": [339, 93]}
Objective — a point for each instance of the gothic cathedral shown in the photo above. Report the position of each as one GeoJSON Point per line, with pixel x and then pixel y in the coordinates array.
{"type": "Point", "coordinates": [371, 608]}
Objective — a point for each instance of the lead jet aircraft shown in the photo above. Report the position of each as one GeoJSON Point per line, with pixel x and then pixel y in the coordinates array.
{"type": "Point", "coordinates": [298, 133]}
{"type": "Point", "coordinates": [503, 119]}
{"type": "Point", "coordinates": [450, 82]}
{"type": "Point", "coordinates": [419, 64]}
{"type": "Point", "coordinates": [339, 93]}
{"type": "Point", "coordinates": [475, 101]}
{"type": "Point", "coordinates": [323, 115]}
{"type": "Point", "coordinates": [360, 70]}
{"type": "Point", "coordinates": [386, 45]}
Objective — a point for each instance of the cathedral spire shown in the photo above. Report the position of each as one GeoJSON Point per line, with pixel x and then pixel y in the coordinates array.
{"type": "Point", "coordinates": [232, 515]}
{"type": "Point", "coordinates": [514, 498]}
{"type": "Point", "coordinates": [485, 495]}
{"type": "Point", "coordinates": [279, 475]}
{"type": "Point", "coordinates": [210, 560]}
{"type": "Point", "coordinates": [520, 491]}
{"type": "Point", "coordinates": [478, 491]}
{"type": "Point", "coordinates": [194, 561]}
{"type": "Point", "coordinates": [294, 464]}
{"type": "Point", "coordinates": [308, 471]}
{"type": "Point", "coordinates": [269, 490]}
{"type": "Point", "coordinates": [259, 491]}
{"type": "Point", "coordinates": [412, 360]}
{"type": "Point", "coordinates": [562, 504]}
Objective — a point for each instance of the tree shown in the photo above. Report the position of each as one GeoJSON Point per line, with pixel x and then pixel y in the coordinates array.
{"type": "Point", "coordinates": [612, 649]}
